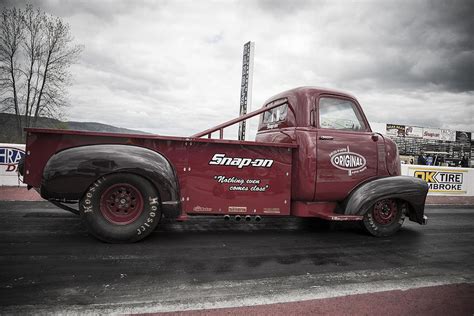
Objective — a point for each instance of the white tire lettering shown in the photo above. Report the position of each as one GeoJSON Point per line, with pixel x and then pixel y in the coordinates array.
{"type": "Point", "coordinates": [153, 200]}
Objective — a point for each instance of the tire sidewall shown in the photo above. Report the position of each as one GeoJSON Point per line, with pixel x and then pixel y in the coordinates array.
{"type": "Point", "coordinates": [379, 230]}
{"type": "Point", "coordinates": [107, 231]}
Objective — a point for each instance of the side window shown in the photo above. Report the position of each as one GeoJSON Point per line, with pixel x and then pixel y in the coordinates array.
{"type": "Point", "coordinates": [275, 115]}
{"type": "Point", "coordinates": [339, 114]}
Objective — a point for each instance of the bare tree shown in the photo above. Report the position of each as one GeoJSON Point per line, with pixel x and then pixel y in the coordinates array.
{"type": "Point", "coordinates": [11, 36]}
{"type": "Point", "coordinates": [36, 52]}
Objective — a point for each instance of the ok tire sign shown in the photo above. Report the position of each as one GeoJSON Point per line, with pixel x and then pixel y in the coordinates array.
{"type": "Point", "coordinates": [120, 208]}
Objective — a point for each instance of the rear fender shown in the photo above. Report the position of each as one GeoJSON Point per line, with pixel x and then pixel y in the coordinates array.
{"type": "Point", "coordinates": [409, 189]}
{"type": "Point", "coordinates": [69, 173]}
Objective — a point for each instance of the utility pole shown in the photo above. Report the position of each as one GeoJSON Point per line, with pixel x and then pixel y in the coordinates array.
{"type": "Point", "coordinates": [246, 85]}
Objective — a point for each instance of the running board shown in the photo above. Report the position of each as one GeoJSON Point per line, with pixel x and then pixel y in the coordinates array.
{"type": "Point", "coordinates": [324, 210]}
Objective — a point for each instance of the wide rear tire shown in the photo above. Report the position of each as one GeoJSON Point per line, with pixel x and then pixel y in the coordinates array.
{"type": "Point", "coordinates": [384, 218]}
{"type": "Point", "coordinates": [120, 208]}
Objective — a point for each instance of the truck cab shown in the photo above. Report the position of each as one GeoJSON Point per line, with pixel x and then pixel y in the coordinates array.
{"type": "Point", "coordinates": [337, 149]}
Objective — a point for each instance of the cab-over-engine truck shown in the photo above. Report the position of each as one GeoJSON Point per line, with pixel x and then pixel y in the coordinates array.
{"type": "Point", "coordinates": [315, 155]}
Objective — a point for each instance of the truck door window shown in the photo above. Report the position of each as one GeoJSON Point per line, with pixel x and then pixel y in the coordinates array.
{"type": "Point", "coordinates": [275, 115]}
{"type": "Point", "coordinates": [339, 114]}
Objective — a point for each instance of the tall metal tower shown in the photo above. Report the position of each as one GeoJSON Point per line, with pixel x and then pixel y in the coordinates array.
{"type": "Point", "coordinates": [246, 85]}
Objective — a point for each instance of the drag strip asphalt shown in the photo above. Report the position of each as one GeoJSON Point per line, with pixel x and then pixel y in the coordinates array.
{"type": "Point", "coordinates": [49, 263]}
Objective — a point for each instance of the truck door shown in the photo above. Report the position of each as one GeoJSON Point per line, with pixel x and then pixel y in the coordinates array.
{"type": "Point", "coordinates": [346, 149]}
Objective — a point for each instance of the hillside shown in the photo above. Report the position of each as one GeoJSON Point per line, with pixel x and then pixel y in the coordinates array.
{"type": "Point", "coordinates": [7, 124]}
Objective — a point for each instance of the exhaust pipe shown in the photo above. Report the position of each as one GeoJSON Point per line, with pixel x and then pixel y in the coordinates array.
{"type": "Point", "coordinates": [237, 218]}
{"type": "Point", "coordinates": [248, 218]}
{"type": "Point", "coordinates": [258, 218]}
{"type": "Point", "coordinates": [226, 218]}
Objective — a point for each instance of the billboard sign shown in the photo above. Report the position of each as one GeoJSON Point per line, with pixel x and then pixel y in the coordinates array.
{"type": "Point", "coordinates": [10, 155]}
{"type": "Point", "coordinates": [463, 137]}
{"type": "Point", "coordinates": [448, 135]}
{"type": "Point", "coordinates": [441, 180]}
{"type": "Point", "coordinates": [432, 133]}
{"type": "Point", "coordinates": [413, 131]}
{"type": "Point", "coordinates": [395, 130]}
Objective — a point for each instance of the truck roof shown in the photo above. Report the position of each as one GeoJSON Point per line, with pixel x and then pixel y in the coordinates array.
{"type": "Point", "coordinates": [303, 99]}
{"type": "Point", "coordinates": [305, 91]}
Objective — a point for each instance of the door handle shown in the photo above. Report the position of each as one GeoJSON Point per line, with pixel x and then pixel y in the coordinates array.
{"type": "Point", "coordinates": [326, 137]}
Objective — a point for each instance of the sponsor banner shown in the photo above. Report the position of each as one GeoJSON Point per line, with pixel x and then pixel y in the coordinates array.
{"type": "Point", "coordinates": [442, 180]}
{"type": "Point", "coordinates": [413, 131]}
{"type": "Point", "coordinates": [463, 137]}
{"type": "Point", "coordinates": [395, 130]}
{"type": "Point", "coordinates": [448, 135]}
{"type": "Point", "coordinates": [10, 155]}
{"type": "Point", "coordinates": [432, 133]}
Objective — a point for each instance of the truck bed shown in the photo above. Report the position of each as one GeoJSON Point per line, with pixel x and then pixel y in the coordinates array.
{"type": "Point", "coordinates": [215, 176]}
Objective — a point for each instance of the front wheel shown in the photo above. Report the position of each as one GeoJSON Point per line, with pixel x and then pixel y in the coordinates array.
{"type": "Point", "coordinates": [384, 218]}
{"type": "Point", "coordinates": [120, 208]}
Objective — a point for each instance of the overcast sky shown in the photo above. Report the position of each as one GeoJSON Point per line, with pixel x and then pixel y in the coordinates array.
{"type": "Point", "coordinates": [174, 67]}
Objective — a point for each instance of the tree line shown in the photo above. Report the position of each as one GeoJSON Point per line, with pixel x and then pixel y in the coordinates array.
{"type": "Point", "coordinates": [36, 52]}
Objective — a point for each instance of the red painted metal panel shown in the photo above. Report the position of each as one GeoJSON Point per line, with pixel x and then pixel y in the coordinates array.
{"type": "Point", "coordinates": [267, 189]}
{"type": "Point", "coordinates": [324, 210]}
{"type": "Point", "coordinates": [334, 183]}
{"type": "Point", "coordinates": [212, 187]}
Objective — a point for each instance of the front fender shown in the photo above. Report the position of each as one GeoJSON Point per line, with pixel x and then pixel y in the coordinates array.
{"type": "Point", "coordinates": [69, 173]}
{"type": "Point", "coordinates": [410, 189]}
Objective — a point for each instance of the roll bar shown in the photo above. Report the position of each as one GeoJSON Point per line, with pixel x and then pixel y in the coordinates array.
{"type": "Point", "coordinates": [239, 119]}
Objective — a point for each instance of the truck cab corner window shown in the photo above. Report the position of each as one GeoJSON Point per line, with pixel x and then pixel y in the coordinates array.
{"type": "Point", "coordinates": [339, 114]}
{"type": "Point", "coordinates": [275, 115]}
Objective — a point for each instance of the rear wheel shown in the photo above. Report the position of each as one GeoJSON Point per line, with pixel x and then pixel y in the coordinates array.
{"type": "Point", "coordinates": [120, 208]}
{"type": "Point", "coordinates": [384, 218]}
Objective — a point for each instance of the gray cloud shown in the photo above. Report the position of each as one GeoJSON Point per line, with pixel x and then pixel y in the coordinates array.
{"type": "Point", "coordinates": [173, 67]}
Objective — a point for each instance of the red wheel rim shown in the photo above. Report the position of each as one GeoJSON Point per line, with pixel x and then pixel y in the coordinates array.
{"type": "Point", "coordinates": [121, 204]}
{"type": "Point", "coordinates": [385, 211]}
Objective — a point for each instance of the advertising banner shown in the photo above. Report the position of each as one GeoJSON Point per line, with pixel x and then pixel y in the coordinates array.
{"type": "Point", "coordinates": [432, 133]}
{"type": "Point", "coordinates": [463, 137]}
{"type": "Point", "coordinates": [396, 130]}
{"type": "Point", "coordinates": [413, 131]}
{"type": "Point", "coordinates": [442, 180]}
{"type": "Point", "coordinates": [10, 155]}
{"type": "Point", "coordinates": [448, 135]}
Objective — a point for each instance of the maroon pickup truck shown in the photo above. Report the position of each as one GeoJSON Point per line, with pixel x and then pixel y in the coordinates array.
{"type": "Point", "coordinates": [314, 156]}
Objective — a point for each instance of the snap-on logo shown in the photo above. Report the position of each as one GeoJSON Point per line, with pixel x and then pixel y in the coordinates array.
{"type": "Point", "coordinates": [344, 159]}
{"type": "Point", "coordinates": [222, 160]}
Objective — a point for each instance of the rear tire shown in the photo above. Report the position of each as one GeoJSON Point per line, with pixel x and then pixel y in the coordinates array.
{"type": "Point", "coordinates": [120, 208]}
{"type": "Point", "coordinates": [384, 218]}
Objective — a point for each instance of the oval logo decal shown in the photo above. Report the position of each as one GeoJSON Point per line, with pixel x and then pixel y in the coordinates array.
{"type": "Point", "coordinates": [344, 159]}
{"type": "Point", "coordinates": [10, 155]}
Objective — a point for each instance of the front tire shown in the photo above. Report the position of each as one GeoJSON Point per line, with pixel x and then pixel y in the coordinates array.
{"type": "Point", "coordinates": [120, 208]}
{"type": "Point", "coordinates": [384, 218]}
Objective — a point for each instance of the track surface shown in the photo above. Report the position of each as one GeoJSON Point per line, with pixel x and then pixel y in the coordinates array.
{"type": "Point", "coordinates": [48, 262]}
